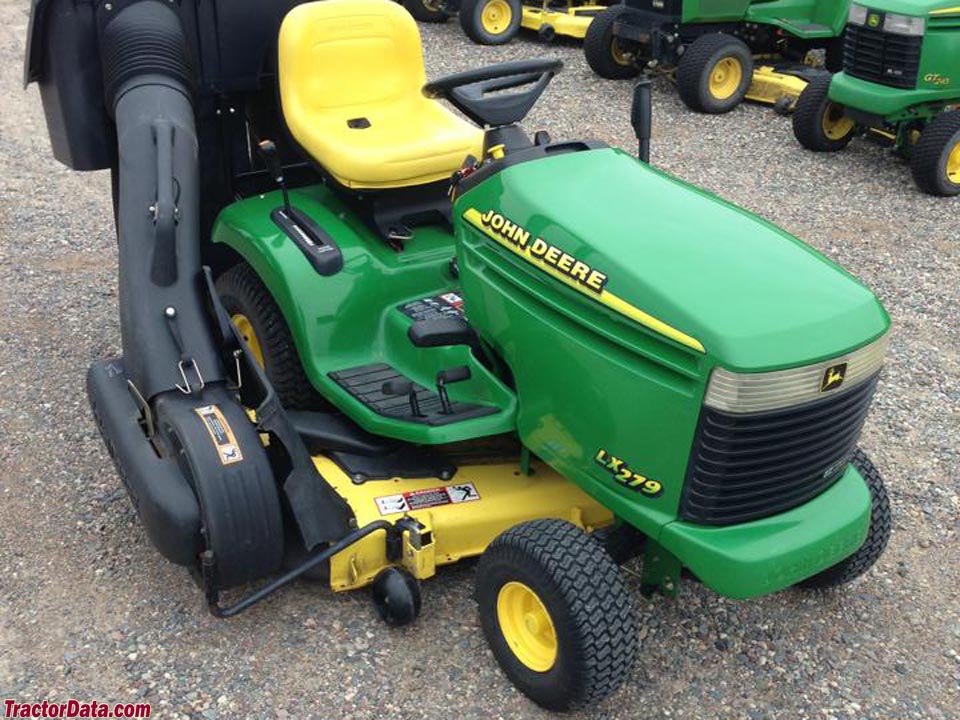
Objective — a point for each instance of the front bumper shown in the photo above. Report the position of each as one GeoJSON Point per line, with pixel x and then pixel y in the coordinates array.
{"type": "Point", "coordinates": [890, 103]}
{"type": "Point", "coordinates": [767, 555]}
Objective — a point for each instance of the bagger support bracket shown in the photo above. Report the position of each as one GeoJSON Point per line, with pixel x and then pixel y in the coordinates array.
{"type": "Point", "coordinates": [208, 564]}
{"type": "Point", "coordinates": [406, 540]}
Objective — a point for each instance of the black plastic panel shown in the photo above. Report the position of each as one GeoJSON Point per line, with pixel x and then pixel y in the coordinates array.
{"type": "Point", "coordinates": [753, 465]}
{"type": "Point", "coordinates": [407, 461]}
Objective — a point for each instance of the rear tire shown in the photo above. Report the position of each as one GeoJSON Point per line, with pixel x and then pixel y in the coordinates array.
{"type": "Point", "coordinates": [877, 537]}
{"type": "Point", "coordinates": [606, 55]}
{"type": "Point", "coordinates": [556, 614]}
{"type": "Point", "coordinates": [426, 11]}
{"type": "Point", "coordinates": [936, 156]}
{"type": "Point", "coordinates": [491, 22]}
{"type": "Point", "coordinates": [819, 124]}
{"type": "Point", "coordinates": [244, 295]}
{"type": "Point", "coordinates": [715, 73]}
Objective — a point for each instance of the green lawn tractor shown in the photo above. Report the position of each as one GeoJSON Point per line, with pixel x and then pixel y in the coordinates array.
{"type": "Point", "coordinates": [364, 338]}
{"type": "Point", "coordinates": [497, 22]}
{"type": "Point", "coordinates": [901, 79]}
{"type": "Point", "coordinates": [720, 52]}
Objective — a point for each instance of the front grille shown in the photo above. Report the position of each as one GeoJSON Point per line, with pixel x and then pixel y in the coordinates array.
{"type": "Point", "coordinates": [881, 57]}
{"type": "Point", "coordinates": [746, 466]}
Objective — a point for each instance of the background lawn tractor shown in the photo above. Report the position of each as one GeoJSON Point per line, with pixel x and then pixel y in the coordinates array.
{"type": "Point", "coordinates": [496, 22]}
{"type": "Point", "coordinates": [901, 78]}
{"type": "Point", "coordinates": [364, 338]}
{"type": "Point", "coordinates": [720, 51]}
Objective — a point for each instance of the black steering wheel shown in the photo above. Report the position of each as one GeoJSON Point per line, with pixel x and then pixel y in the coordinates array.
{"type": "Point", "coordinates": [479, 95]}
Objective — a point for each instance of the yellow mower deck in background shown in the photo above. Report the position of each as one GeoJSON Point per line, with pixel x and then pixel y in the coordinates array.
{"type": "Point", "coordinates": [497, 22]}
{"type": "Point", "coordinates": [549, 21]}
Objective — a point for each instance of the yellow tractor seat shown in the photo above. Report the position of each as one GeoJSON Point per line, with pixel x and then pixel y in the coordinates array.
{"type": "Point", "coordinates": [351, 73]}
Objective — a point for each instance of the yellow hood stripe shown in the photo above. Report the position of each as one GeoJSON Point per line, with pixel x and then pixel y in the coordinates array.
{"type": "Point", "coordinates": [615, 303]}
{"type": "Point", "coordinates": [946, 11]}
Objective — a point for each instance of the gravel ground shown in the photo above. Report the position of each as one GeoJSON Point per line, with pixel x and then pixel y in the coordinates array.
{"type": "Point", "coordinates": [89, 610]}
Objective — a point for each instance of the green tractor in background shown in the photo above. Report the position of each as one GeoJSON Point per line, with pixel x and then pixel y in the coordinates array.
{"type": "Point", "coordinates": [901, 78]}
{"type": "Point", "coordinates": [720, 51]}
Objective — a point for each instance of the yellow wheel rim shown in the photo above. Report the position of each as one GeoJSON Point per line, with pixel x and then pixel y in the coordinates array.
{"type": "Point", "coordinates": [836, 125]}
{"type": "Point", "coordinates": [725, 78]}
{"type": "Point", "coordinates": [619, 55]}
{"type": "Point", "coordinates": [496, 16]}
{"type": "Point", "coordinates": [245, 327]}
{"type": "Point", "coordinates": [953, 164]}
{"type": "Point", "coordinates": [527, 627]}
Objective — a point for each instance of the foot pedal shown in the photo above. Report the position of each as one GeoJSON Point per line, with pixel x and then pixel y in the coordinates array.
{"type": "Point", "coordinates": [366, 384]}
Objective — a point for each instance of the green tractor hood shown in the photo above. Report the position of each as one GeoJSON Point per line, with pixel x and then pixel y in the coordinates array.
{"type": "Point", "coordinates": [917, 8]}
{"type": "Point", "coordinates": [682, 263]}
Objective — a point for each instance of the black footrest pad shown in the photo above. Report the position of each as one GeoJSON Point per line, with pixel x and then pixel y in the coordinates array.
{"type": "Point", "coordinates": [365, 383]}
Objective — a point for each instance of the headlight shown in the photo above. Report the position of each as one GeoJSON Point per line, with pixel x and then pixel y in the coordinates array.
{"type": "Point", "coordinates": [904, 24]}
{"type": "Point", "coordinates": [756, 392]}
{"type": "Point", "coordinates": [858, 15]}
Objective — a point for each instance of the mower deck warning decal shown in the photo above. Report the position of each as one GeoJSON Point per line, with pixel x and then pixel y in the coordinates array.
{"type": "Point", "coordinates": [427, 498]}
{"type": "Point", "coordinates": [221, 433]}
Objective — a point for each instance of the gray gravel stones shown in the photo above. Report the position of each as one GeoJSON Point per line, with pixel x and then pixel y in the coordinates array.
{"type": "Point", "coordinates": [89, 610]}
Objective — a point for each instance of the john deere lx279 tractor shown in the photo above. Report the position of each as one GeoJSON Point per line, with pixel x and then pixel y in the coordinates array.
{"type": "Point", "coordinates": [364, 337]}
{"type": "Point", "coordinates": [901, 78]}
{"type": "Point", "coordinates": [719, 51]}
{"type": "Point", "coordinates": [497, 22]}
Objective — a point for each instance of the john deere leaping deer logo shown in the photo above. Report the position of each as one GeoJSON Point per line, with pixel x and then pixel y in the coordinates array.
{"type": "Point", "coordinates": [873, 20]}
{"type": "Point", "coordinates": [833, 377]}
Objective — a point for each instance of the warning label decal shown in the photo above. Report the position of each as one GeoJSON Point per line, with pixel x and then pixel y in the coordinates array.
{"type": "Point", "coordinates": [222, 434]}
{"type": "Point", "coordinates": [427, 498]}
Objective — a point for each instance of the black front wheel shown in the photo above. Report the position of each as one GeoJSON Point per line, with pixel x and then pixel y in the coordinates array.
{"type": "Point", "coordinates": [936, 156]}
{"type": "Point", "coordinates": [877, 536]}
{"type": "Point", "coordinates": [556, 614]}
{"type": "Point", "coordinates": [607, 55]}
{"type": "Point", "coordinates": [715, 73]}
{"type": "Point", "coordinates": [820, 124]}
{"type": "Point", "coordinates": [427, 11]}
{"type": "Point", "coordinates": [491, 22]}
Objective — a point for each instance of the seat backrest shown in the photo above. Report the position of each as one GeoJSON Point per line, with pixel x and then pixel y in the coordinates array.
{"type": "Point", "coordinates": [336, 55]}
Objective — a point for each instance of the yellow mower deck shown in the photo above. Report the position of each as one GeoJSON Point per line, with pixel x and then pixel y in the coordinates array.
{"type": "Point", "coordinates": [460, 517]}
{"type": "Point", "coordinates": [571, 22]}
{"type": "Point", "coordinates": [769, 86]}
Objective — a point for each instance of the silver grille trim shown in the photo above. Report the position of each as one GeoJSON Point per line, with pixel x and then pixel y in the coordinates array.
{"type": "Point", "coordinates": [757, 392]}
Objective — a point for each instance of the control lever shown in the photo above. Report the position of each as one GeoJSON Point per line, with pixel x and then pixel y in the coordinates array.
{"type": "Point", "coordinates": [268, 150]}
{"type": "Point", "coordinates": [448, 377]}
{"type": "Point", "coordinates": [317, 246]}
{"type": "Point", "coordinates": [404, 387]}
{"type": "Point", "coordinates": [641, 117]}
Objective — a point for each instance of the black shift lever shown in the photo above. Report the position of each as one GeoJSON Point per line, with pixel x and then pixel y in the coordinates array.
{"type": "Point", "coordinates": [271, 157]}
